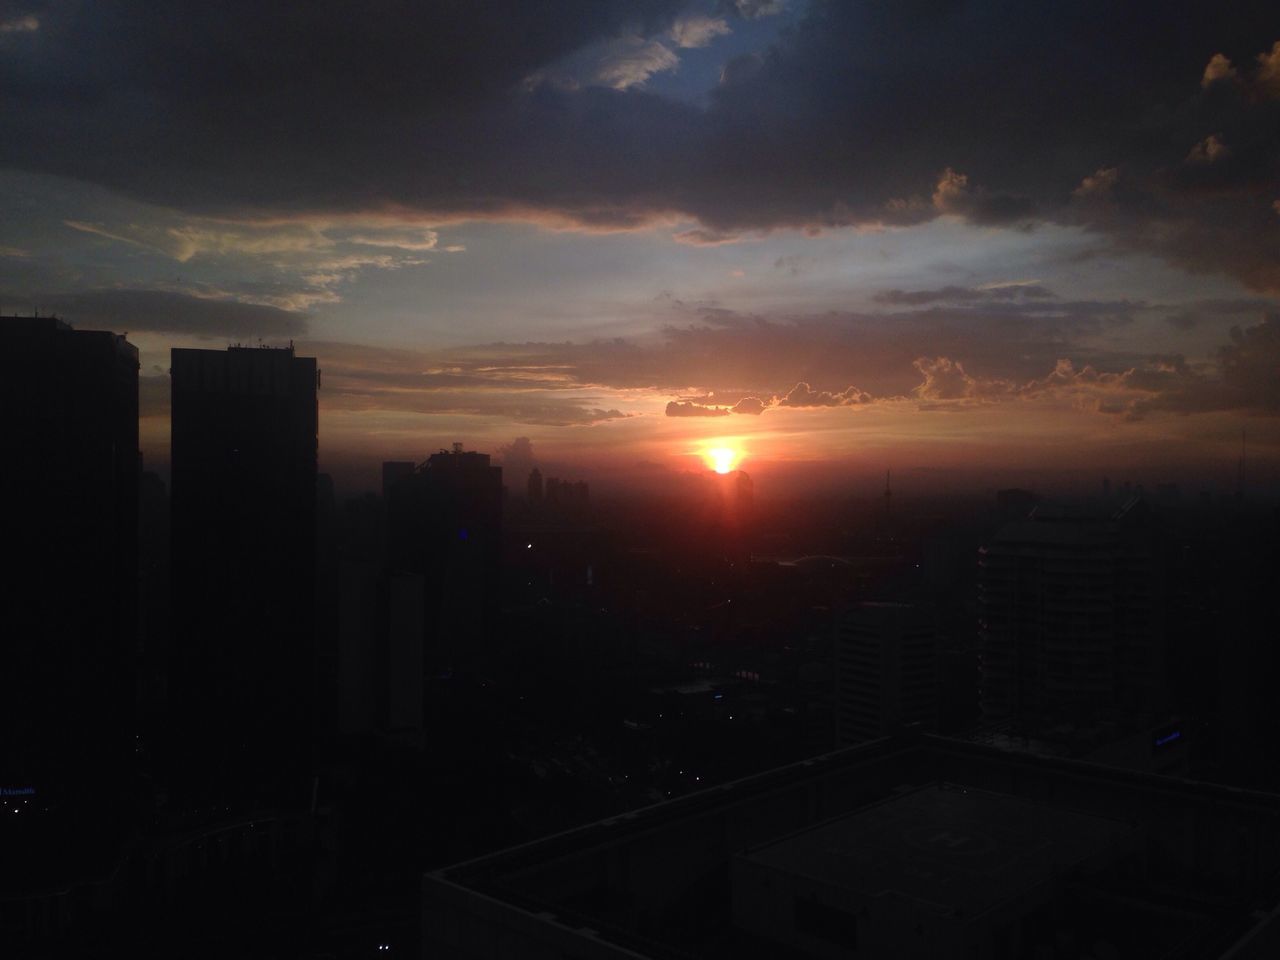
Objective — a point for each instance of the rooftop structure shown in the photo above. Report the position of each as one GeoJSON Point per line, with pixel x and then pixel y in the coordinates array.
{"type": "Point", "coordinates": [915, 845]}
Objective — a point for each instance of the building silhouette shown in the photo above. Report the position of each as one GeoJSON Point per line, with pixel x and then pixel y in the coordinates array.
{"type": "Point", "coordinates": [1071, 618]}
{"type": "Point", "coordinates": [70, 591]}
{"type": "Point", "coordinates": [242, 655]}
{"type": "Point", "coordinates": [393, 471]}
{"type": "Point", "coordinates": [444, 546]}
{"type": "Point", "coordinates": [887, 671]}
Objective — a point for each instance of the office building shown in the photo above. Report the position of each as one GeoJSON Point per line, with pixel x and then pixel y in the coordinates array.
{"type": "Point", "coordinates": [242, 654]}
{"type": "Point", "coordinates": [887, 671]}
{"type": "Point", "coordinates": [70, 487]}
{"type": "Point", "coordinates": [1071, 618]}
{"type": "Point", "coordinates": [444, 526]}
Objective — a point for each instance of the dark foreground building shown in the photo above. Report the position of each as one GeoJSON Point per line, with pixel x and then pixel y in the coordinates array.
{"type": "Point", "coordinates": [914, 846]}
{"type": "Point", "coordinates": [242, 655]}
{"type": "Point", "coordinates": [68, 613]}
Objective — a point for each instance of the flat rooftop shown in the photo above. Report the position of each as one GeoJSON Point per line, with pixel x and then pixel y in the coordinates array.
{"type": "Point", "coordinates": [956, 851]}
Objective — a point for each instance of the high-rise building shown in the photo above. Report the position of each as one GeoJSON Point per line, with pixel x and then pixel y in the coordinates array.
{"type": "Point", "coordinates": [1071, 626]}
{"type": "Point", "coordinates": [886, 670]}
{"type": "Point", "coordinates": [242, 653]}
{"type": "Point", "coordinates": [445, 526]}
{"type": "Point", "coordinates": [70, 590]}
{"type": "Point", "coordinates": [535, 487]}
{"type": "Point", "coordinates": [393, 471]}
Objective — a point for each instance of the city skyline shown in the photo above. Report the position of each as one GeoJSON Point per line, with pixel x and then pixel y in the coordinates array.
{"type": "Point", "coordinates": [642, 234]}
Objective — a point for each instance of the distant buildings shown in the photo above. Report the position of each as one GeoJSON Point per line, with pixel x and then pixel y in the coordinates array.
{"type": "Point", "coordinates": [242, 656]}
{"type": "Point", "coordinates": [69, 617]}
{"type": "Point", "coordinates": [887, 671]}
{"type": "Point", "coordinates": [1071, 619]}
{"type": "Point", "coordinates": [564, 499]}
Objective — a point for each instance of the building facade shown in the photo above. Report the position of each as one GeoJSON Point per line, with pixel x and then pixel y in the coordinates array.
{"type": "Point", "coordinates": [242, 657]}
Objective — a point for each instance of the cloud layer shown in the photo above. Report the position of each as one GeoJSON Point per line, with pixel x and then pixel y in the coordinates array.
{"type": "Point", "coordinates": [1152, 125]}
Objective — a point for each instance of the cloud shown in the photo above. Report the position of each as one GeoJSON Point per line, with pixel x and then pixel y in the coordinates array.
{"type": "Point", "coordinates": [802, 395]}
{"type": "Point", "coordinates": [690, 409]}
{"type": "Point", "coordinates": [1217, 69]}
{"type": "Point", "coordinates": [754, 9]}
{"type": "Point", "coordinates": [632, 61]}
{"type": "Point", "coordinates": [753, 406]}
{"type": "Point", "coordinates": [858, 114]}
{"type": "Point", "coordinates": [701, 237]}
{"type": "Point", "coordinates": [312, 258]}
{"type": "Point", "coordinates": [957, 294]}
{"type": "Point", "coordinates": [696, 30]}
{"type": "Point", "coordinates": [168, 312]}
{"type": "Point", "coordinates": [437, 383]}
{"type": "Point", "coordinates": [946, 379]}
{"type": "Point", "coordinates": [403, 239]}
{"type": "Point", "coordinates": [27, 23]}
{"type": "Point", "coordinates": [1209, 150]}
{"type": "Point", "coordinates": [1098, 184]}
{"type": "Point", "coordinates": [1268, 75]}
{"type": "Point", "coordinates": [750, 367]}
{"type": "Point", "coordinates": [1243, 378]}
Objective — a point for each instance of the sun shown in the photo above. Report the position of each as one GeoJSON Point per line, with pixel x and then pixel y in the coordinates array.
{"type": "Point", "coordinates": [722, 459]}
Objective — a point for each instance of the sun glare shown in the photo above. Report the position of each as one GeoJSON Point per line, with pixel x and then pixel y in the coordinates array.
{"type": "Point", "coordinates": [722, 459]}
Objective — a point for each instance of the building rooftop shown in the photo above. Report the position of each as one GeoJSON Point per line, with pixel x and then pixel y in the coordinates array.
{"type": "Point", "coordinates": [952, 828]}
{"type": "Point", "coordinates": [953, 850]}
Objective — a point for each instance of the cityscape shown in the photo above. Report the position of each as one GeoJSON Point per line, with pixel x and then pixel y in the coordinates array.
{"type": "Point", "coordinates": [530, 482]}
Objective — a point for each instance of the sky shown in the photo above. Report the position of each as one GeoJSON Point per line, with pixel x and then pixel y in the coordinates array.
{"type": "Point", "coordinates": [987, 240]}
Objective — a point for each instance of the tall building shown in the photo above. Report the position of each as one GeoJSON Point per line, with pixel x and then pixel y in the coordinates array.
{"type": "Point", "coordinates": [70, 590]}
{"type": "Point", "coordinates": [393, 471]}
{"type": "Point", "coordinates": [242, 660]}
{"type": "Point", "coordinates": [887, 671]}
{"type": "Point", "coordinates": [445, 526]}
{"type": "Point", "coordinates": [1071, 624]}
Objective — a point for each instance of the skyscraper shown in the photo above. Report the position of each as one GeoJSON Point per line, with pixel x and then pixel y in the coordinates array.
{"type": "Point", "coordinates": [887, 671]}
{"type": "Point", "coordinates": [1071, 626]}
{"type": "Point", "coordinates": [445, 526]}
{"type": "Point", "coordinates": [242, 678]}
{"type": "Point", "coordinates": [70, 493]}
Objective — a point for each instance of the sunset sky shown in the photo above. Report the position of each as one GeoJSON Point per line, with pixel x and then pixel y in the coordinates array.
{"type": "Point", "coordinates": [995, 239]}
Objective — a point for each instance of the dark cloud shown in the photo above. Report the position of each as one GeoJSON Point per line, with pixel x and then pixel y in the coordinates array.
{"type": "Point", "coordinates": [687, 408]}
{"type": "Point", "coordinates": [729, 356]}
{"type": "Point", "coordinates": [957, 294]}
{"type": "Point", "coordinates": [803, 395]}
{"type": "Point", "coordinates": [704, 238]}
{"type": "Point", "coordinates": [753, 367]}
{"type": "Point", "coordinates": [167, 312]}
{"type": "Point", "coordinates": [1244, 378]}
{"type": "Point", "coordinates": [1251, 362]}
{"type": "Point", "coordinates": [1199, 311]}
{"type": "Point", "coordinates": [1000, 112]}
{"type": "Point", "coordinates": [750, 405]}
